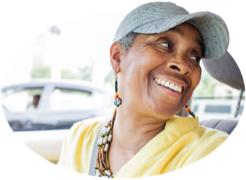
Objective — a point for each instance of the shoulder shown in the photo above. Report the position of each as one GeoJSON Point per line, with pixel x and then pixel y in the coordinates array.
{"type": "Point", "coordinates": [79, 143]}
{"type": "Point", "coordinates": [84, 129]}
{"type": "Point", "coordinates": [192, 126]}
{"type": "Point", "coordinates": [85, 125]}
{"type": "Point", "coordinates": [206, 141]}
{"type": "Point", "coordinates": [212, 137]}
{"type": "Point", "coordinates": [199, 139]}
{"type": "Point", "coordinates": [207, 138]}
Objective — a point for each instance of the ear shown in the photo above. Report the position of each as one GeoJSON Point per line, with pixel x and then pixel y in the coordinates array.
{"type": "Point", "coordinates": [116, 53]}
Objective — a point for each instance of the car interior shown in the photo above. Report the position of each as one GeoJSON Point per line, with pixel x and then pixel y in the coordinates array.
{"type": "Point", "coordinates": [226, 71]}
{"type": "Point", "coordinates": [47, 143]}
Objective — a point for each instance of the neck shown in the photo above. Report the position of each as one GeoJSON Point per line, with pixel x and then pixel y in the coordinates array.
{"type": "Point", "coordinates": [132, 131]}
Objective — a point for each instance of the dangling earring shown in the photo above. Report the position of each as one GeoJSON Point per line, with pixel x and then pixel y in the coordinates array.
{"type": "Point", "coordinates": [187, 109]}
{"type": "Point", "coordinates": [117, 99]}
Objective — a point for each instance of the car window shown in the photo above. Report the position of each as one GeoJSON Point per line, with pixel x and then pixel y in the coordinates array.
{"type": "Point", "coordinates": [215, 100]}
{"type": "Point", "coordinates": [241, 109]}
{"type": "Point", "coordinates": [215, 107]}
{"type": "Point", "coordinates": [225, 109]}
{"type": "Point", "coordinates": [195, 108]}
{"type": "Point", "coordinates": [70, 99]}
{"type": "Point", "coordinates": [21, 100]}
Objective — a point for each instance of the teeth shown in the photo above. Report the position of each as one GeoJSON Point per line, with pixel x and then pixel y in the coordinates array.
{"type": "Point", "coordinates": [168, 84]}
{"type": "Point", "coordinates": [172, 86]}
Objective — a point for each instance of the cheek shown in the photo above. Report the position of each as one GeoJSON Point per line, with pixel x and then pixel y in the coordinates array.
{"type": "Point", "coordinates": [197, 77]}
{"type": "Point", "coordinates": [139, 65]}
{"type": "Point", "coordinates": [137, 68]}
{"type": "Point", "coordinates": [132, 76]}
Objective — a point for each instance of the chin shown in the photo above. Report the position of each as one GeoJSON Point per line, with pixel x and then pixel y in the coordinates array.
{"type": "Point", "coordinates": [164, 112]}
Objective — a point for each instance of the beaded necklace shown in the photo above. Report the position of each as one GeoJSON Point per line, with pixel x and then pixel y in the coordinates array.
{"type": "Point", "coordinates": [102, 163]}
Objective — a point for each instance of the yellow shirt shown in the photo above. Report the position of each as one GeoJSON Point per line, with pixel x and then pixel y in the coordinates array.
{"type": "Point", "coordinates": [182, 142]}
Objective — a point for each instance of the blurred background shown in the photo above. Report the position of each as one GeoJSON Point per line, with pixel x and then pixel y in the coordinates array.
{"type": "Point", "coordinates": [58, 71]}
{"type": "Point", "coordinates": [65, 76]}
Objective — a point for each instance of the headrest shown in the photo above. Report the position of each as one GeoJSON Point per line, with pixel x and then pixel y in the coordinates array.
{"type": "Point", "coordinates": [225, 70]}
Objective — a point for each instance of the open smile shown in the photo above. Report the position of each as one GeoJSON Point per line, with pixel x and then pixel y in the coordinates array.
{"type": "Point", "coordinates": [171, 86]}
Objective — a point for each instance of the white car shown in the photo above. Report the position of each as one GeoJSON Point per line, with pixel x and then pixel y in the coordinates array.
{"type": "Point", "coordinates": [44, 105]}
{"type": "Point", "coordinates": [41, 112]}
{"type": "Point", "coordinates": [220, 108]}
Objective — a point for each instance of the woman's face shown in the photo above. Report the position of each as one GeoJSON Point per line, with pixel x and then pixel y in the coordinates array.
{"type": "Point", "coordinates": [159, 73]}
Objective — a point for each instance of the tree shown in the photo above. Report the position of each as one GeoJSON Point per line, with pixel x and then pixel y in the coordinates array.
{"type": "Point", "coordinates": [41, 71]}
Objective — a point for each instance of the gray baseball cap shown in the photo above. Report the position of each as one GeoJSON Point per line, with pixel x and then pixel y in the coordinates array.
{"type": "Point", "coordinates": [225, 70]}
{"type": "Point", "coordinates": [158, 17]}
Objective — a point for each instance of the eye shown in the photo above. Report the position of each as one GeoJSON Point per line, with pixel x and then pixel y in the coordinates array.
{"type": "Point", "coordinates": [195, 58]}
{"type": "Point", "coordinates": [166, 45]}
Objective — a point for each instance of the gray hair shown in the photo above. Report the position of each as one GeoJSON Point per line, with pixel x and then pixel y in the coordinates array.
{"type": "Point", "coordinates": [127, 41]}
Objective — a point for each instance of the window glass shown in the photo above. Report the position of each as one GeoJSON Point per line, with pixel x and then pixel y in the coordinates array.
{"type": "Point", "coordinates": [70, 99]}
{"type": "Point", "coordinates": [241, 109]}
{"type": "Point", "coordinates": [21, 100]}
{"type": "Point", "coordinates": [215, 100]}
{"type": "Point", "coordinates": [195, 108]}
{"type": "Point", "coordinates": [218, 109]}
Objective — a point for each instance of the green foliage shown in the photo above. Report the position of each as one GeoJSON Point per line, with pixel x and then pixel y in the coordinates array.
{"type": "Point", "coordinates": [45, 71]}
{"type": "Point", "coordinates": [42, 71]}
{"type": "Point", "coordinates": [84, 73]}
{"type": "Point", "coordinates": [206, 86]}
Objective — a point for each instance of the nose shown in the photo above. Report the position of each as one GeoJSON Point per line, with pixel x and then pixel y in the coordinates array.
{"type": "Point", "coordinates": [179, 67]}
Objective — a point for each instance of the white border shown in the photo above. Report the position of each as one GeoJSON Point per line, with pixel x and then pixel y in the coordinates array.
{"type": "Point", "coordinates": [21, 21]}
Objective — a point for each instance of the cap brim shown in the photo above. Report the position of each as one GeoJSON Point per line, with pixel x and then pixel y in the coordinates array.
{"type": "Point", "coordinates": [225, 70]}
{"type": "Point", "coordinates": [212, 28]}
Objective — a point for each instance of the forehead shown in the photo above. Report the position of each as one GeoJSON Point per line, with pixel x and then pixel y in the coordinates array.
{"type": "Point", "coordinates": [184, 30]}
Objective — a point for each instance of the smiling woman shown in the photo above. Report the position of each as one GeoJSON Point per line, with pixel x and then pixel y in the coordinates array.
{"type": "Point", "coordinates": [155, 56]}
{"type": "Point", "coordinates": [172, 63]}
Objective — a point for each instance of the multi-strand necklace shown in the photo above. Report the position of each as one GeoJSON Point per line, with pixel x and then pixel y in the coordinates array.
{"type": "Point", "coordinates": [105, 138]}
